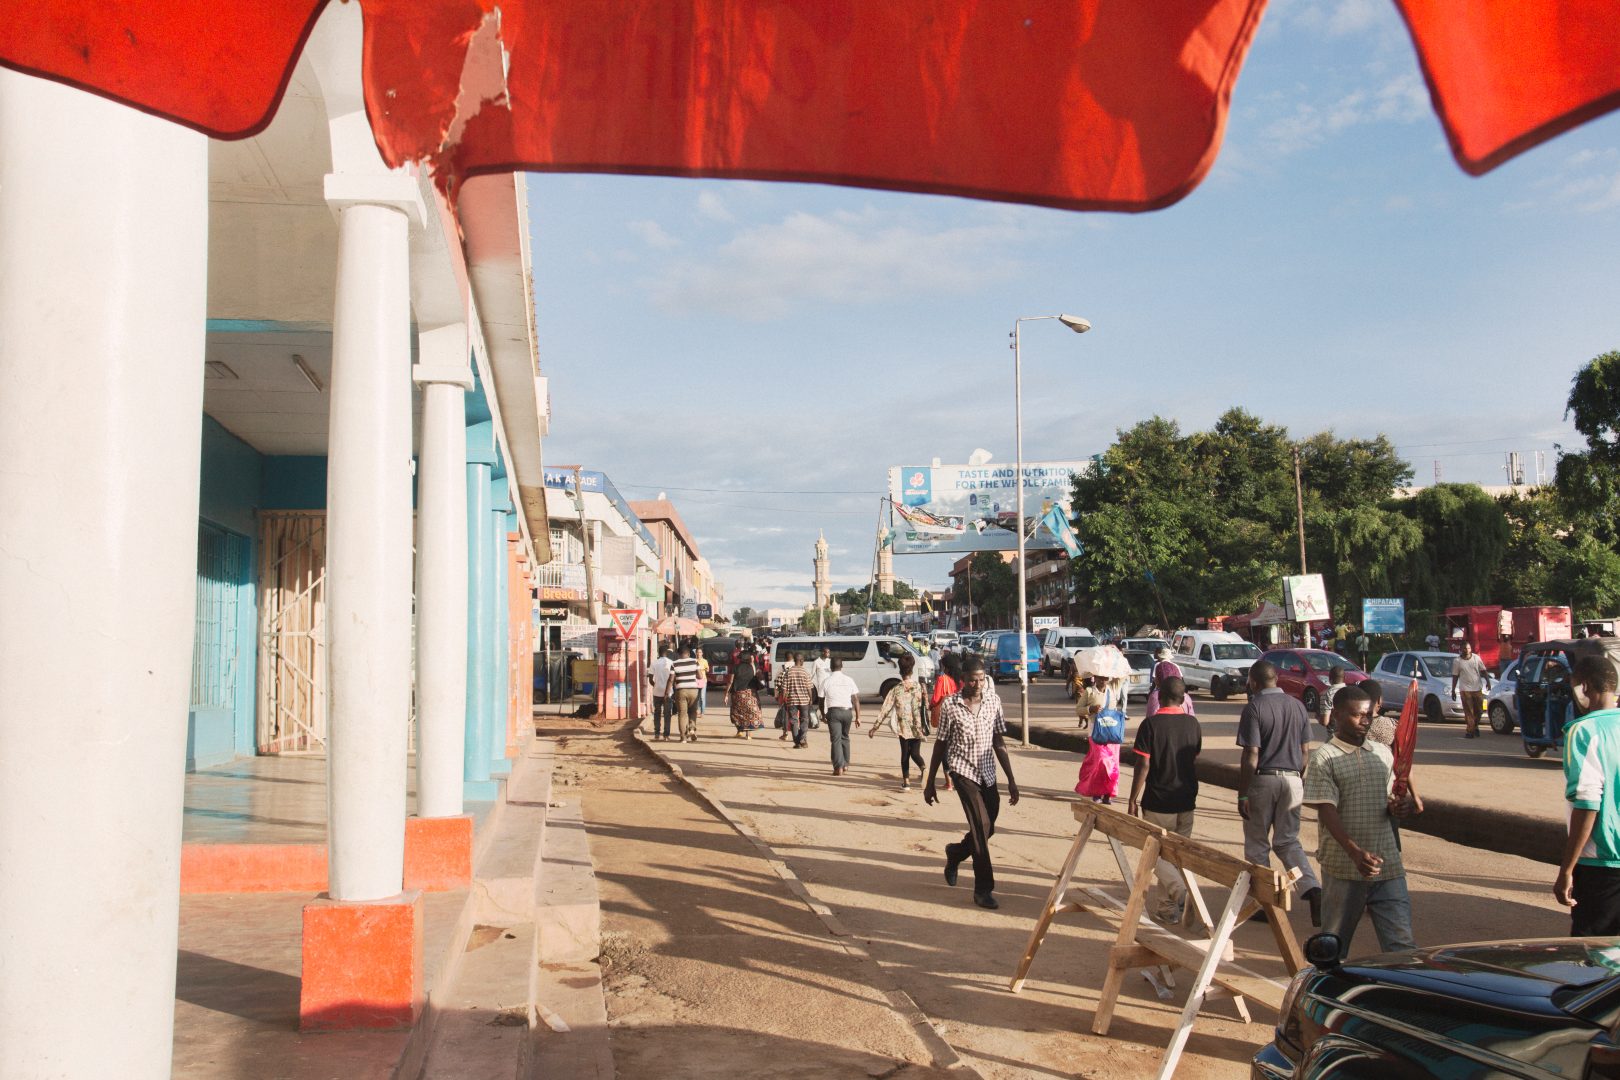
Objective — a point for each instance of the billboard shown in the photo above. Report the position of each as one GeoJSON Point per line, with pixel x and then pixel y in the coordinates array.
{"type": "Point", "coordinates": [1383, 616]}
{"type": "Point", "coordinates": [1305, 598]}
{"type": "Point", "coordinates": [948, 508]}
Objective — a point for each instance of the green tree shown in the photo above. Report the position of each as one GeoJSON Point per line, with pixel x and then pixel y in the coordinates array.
{"type": "Point", "coordinates": [994, 590]}
{"type": "Point", "coordinates": [817, 622]}
{"type": "Point", "coordinates": [1465, 538]}
{"type": "Point", "coordinates": [1589, 481]}
{"type": "Point", "coordinates": [741, 616]}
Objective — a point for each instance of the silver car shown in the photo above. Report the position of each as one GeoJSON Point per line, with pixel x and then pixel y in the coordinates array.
{"type": "Point", "coordinates": [1433, 673]}
{"type": "Point", "coordinates": [1502, 704]}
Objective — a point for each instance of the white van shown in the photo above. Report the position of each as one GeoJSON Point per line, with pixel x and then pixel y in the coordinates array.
{"type": "Point", "coordinates": [873, 662]}
{"type": "Point", "coordinates": [1213, 660]}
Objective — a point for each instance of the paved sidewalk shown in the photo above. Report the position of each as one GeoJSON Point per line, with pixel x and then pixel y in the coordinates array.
{"type": "Point", "coordinates": [712, 965]}
{"type": "Point", "coordinates": [873, 855]}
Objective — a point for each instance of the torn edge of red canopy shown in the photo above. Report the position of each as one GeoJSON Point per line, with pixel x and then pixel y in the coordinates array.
{"type": "Point", "coordinates": [223, 68]}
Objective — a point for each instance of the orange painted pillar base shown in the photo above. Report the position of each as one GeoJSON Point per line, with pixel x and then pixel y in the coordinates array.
{"type": "Point", "coordinates": [362, 964]}
{"type": "Point", "coordinates": [439, 853]}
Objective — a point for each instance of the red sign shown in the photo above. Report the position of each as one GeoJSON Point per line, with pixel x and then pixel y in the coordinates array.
{"type": "Point", "coordinates": [625, 620]}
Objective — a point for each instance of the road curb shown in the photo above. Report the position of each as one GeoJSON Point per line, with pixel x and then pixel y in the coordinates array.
{"type": "Point", "coordinates": [1486, 828]}
{"type": "Point", "coordinates": [945, 1055]}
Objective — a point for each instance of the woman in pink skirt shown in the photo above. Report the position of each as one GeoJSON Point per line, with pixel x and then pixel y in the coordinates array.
{"type": "Point", "coordinates": [1105, 701]}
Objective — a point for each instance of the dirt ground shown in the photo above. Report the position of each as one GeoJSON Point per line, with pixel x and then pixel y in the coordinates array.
{"type": "Point", "coordinates": [712, 966]}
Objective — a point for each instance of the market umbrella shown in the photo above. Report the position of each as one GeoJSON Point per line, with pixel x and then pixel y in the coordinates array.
{"type": "Point", "coordinates": [1406, 740]}
{"type": "Point", "coordinates": [677, 624]}
{"type": "Point", "coordinates": [1119, 104]}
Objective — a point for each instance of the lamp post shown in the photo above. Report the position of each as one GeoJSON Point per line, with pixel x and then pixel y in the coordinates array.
{"type": "Point", "coordinates": [1079, 326]}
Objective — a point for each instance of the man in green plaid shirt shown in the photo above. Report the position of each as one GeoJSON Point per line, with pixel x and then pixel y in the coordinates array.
{"type": "Point", "coordinates": [1349, 782]}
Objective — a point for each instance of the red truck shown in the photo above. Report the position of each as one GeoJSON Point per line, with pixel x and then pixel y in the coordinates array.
{"type": "Point", "coordinates": [1498, 633]}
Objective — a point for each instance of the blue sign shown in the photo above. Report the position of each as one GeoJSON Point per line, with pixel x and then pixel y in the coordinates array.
{"type": "Point", "coordinates": [1383, 616]}
{"type": "Point", "coordinates": [705, 611]}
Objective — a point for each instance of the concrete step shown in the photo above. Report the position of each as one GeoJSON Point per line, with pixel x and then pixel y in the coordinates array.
{"type": "Point", "coordinates": [571, 1036]}
{"type": "Point", "coordinates": [485, 1023]}
{"type": "Point", "coordinates": [568, 913]}
{"type": "Point", "coordinates": [504, 879]}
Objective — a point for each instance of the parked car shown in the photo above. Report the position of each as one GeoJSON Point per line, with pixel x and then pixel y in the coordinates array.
{"type": "Point", "coordinates": [1058, 645]}
{"type": "Point", "coordinates": [1502, 704]}
{"type": "Point", "coordinates": [943, 639]}
{"type": "Point", "coordinates": [966, 643]}
{"type": "Point", "coordinates": [1545, 1008]}
{"type": "Point", "coordinates": [1304, 674]}
{"type": "Point", "coordinates": [1433, 673]}
{"type": "Point", "coordinates": [1005, 665]}
{"type": "Point", "coordinates": [1141, 683]}
{"type": "Point", "coordinates": [1213, 660]}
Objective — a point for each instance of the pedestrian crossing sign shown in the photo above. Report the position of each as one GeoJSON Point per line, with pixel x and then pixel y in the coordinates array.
{"type": "Point", "coordinates": [625, 621]}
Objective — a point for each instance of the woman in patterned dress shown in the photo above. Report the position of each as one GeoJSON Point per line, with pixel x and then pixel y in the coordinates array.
{"type": "Point", "coordinates": [743, 701]}
{"type": "Point", "coordinates": [906, 709]}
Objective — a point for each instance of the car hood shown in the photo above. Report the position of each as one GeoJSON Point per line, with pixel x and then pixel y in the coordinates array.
{"type": "Point", "coordinates": [1518, 969]}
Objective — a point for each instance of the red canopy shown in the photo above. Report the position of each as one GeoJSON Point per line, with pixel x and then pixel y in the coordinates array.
{"type": "Point", "coordinates": [1111, 104]}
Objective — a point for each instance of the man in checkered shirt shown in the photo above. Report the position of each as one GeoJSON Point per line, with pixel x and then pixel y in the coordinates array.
{"type": "Point", "coordinates": [970, 743]}
{"type": "Point", "coordinates": [1349, 782]}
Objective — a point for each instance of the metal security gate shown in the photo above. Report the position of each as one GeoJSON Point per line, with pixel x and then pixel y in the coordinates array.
{"type": "Point", "coordinates": [292, 620]}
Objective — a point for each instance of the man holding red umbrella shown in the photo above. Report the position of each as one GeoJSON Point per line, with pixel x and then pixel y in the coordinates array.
{"type": "Point", "coordinates": [1350, 782]}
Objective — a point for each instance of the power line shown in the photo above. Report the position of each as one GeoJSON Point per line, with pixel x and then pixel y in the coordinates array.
{"type": "Point", "coordinates": [753, 491]}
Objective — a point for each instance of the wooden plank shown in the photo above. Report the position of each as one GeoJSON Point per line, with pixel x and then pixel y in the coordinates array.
{"type": "Point", "coordinates": [1054, 902]}
{"type": "Point", "coordinates": [1216, 866]}
{"type": "Point", "coordinates": [1127, 934]}
{"type": "Point", "coordinates": [1206, 975]}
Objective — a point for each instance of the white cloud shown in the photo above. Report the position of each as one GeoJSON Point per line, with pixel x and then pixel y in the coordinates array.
{"type": "Point", "coordinates": [1401, 100]}
{"type": "Point", "coordinates": [846, 257]}
{"type": "Point", "coordinates": [1355, 17]}
{"type": "Point", "coordinates": [713, 207]}
{"type": "Point", "coordinates": [1587, 181]}
{"type": "Point", "coordinates": [652, 234]}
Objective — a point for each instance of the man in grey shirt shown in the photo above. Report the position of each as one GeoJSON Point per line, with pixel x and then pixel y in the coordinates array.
{"type": "Point", "coordinates": [1274, 732]}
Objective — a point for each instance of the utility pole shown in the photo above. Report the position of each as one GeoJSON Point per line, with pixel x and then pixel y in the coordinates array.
{"type": "Point", "coordinates": [1299, 509]}
{"type": "Point", "coordinates": [585, 541]}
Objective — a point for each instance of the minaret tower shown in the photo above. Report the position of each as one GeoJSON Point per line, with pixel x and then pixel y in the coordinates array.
{"type": "Point", "coordinates": [885, 566]}
{"type": "Point", "coordinates": [823, 576]}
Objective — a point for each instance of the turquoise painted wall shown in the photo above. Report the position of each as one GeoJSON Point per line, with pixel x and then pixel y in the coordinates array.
{"type": "Point", "coordinates": [230, 490]}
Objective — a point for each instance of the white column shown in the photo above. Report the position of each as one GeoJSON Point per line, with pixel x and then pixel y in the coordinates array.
{"type": "Point", "coordinates": [103, 284]}
{"type": "Point", "coordinates": [368, 526]}
{"type": "Point", "coordinates": [441, 571]}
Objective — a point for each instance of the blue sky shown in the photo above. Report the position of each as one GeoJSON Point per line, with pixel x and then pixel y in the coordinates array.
{"type": "Point", "coordinates": [764, 352]}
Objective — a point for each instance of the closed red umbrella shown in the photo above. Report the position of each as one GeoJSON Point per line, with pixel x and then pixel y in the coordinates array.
{"type": "Point", "coordinates": [1406, 741]}
{"type": "Point", "coordinates": [1111, 104]}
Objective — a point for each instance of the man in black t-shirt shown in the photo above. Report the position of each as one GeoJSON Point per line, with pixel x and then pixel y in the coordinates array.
{"type": "Point", "coordinates": [1164, 787]}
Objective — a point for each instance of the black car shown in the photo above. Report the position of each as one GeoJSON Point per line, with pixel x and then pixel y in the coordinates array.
{"type": "Point", "coordinates": [1522, 1008]}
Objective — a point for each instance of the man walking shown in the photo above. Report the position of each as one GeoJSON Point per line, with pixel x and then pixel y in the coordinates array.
{"type": "Point", "coordinates": [842, 701]}
{"type": "Point", "coordinates": [1350, 785]}
{"type": "Point", "coordinates": [971, 726]}
{"type": "Point", "coordinates": [1274, 731]}
{"type": "Point", "coordinates": [1589, 876]}
{"type": "Point", "coordinates": [1164, 785]}
{"type": "Point", "coordinates": [793, 690]}
{"type": "Point", "coordinates": [1470, 680]}
{"type": "Point", "coordinates": [820, 668]}
{"type": "Point", "coordinates": [658, 673]}
{"type": "Point", "coordinates": [686, 676]}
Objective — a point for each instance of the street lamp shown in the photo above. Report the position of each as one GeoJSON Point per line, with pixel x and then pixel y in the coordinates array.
{"type": "Point", "coordinates": [1079, 326]}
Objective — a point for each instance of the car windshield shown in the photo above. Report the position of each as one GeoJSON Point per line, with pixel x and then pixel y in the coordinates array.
{"type": "Point", "coordinates": [1077, 641]}
{"type": "Point", "coordinates": [1243, 651]}
{"type": "Point", "coordinates": [1140, 661]}
{"type": "Point", "coordinates": [1439, 666]}
{"type": "Point", "coordinates": [1326, 661]}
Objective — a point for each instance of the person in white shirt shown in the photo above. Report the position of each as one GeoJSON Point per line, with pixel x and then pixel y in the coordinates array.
{"type": "Point", "coordinates": [1469, 681]}
{"type": "Point", "coordinates": [820, 668]}
{"type": "Point", "coordinates": [658, 673]}
{"type": "Point", "coordinates": [842, 701]}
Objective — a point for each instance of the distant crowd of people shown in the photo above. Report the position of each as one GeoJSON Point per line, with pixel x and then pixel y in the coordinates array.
{"type": "Point", "coordinates": [1349, 779]}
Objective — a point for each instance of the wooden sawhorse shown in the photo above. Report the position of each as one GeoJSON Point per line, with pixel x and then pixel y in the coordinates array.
{"type": "Point", "coordinates": [1140, 943]}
